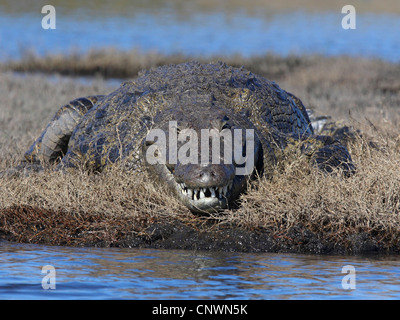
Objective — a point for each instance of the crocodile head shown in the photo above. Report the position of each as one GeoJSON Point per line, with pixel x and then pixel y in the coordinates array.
{"type": "Point", "coordinates": [205, 154]}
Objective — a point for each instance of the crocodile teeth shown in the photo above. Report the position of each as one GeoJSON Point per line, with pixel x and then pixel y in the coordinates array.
{"type": "Point", "coordinates": [207, 192]}
{"type": "Point", "coordinates": [212, 192]}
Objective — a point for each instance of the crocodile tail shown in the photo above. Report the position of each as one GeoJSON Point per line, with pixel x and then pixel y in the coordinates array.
{"type": "Point", "coordinates": [52, 144]}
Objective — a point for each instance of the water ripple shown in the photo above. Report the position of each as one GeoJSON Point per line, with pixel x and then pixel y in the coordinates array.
{"type": "Point", "coordinates": [97, 273]}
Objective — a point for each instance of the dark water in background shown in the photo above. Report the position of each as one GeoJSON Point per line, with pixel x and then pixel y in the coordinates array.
{"type": "Point", "coordinates": [208, 33]}
{"type": "Point", "coordinates": [158, 274]}
{"type": "Point", "coordinates": [96, 273]}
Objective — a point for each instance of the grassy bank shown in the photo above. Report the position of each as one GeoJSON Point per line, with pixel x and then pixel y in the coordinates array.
{"type": "Point", "coordinates": [300, 210]}
{"type": "Point", "coordinates": [111, 63]}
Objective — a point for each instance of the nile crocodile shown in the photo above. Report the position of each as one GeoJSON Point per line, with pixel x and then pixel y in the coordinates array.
{"type": "Point", "coordinates": [156, 121]}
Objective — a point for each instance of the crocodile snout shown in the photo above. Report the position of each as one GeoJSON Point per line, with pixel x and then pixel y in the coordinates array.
{"type": "Point", "coordinates": [202, 176]}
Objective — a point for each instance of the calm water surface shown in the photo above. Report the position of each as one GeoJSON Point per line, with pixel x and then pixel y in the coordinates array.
{"type": "Point", "coordinates": [97, 273]}
{"type": "Point", "coordinates": [215, 32]}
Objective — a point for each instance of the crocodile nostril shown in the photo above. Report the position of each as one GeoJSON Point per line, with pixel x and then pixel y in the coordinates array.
{"type": "Point", "coordinates": [198, 176]}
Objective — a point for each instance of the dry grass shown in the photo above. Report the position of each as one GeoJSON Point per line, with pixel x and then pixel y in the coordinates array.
{"type": "Point", "coordinates": [301, 209]}
{"type": "Point", "coordinates": [334, 207]}
{"type": "Point", "coordinates": [111, 63]}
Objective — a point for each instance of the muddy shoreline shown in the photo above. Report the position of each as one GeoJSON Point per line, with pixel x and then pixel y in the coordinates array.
{"type": "Point", "coordinates": [40, 226]}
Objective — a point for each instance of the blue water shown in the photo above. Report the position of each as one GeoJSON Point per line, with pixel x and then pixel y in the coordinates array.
{"type": "Point", "coordinates": [203, 34]}
{"type": "Point", "coordinates": [97, 273]}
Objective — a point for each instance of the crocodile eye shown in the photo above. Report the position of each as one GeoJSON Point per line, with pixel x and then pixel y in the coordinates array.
{"type": "Point", "coordinates": [226, 126]}
{"type": "Point", "coordinates": [170, 167]}
{"type": "Point", "coordinates": [146, 121]}
{"type": "Point", "coordinates": [225, 123]}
